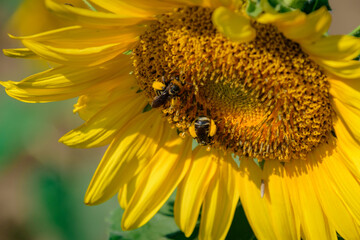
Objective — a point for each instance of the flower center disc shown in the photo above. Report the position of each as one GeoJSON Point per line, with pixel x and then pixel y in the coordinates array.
{"type": "Point", "coordinates": [266, 97]}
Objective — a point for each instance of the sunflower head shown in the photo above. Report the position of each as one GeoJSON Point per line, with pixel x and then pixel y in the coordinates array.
{"type": "Point", "coordinates": [266, 97]}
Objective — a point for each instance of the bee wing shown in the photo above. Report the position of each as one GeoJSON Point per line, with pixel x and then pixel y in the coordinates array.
{"type": "Point", "coordinates": [161, 99]}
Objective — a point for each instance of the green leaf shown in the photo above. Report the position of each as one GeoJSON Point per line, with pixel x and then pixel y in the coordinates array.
{"type": "Point", "coordinates": [240, 228]}
{"type": "Point", "coordinates": [161, 226]}
{"type": "Point", "coordinates": [253, 8]}
{"type": "Point", "coordinates": [295, 4]}
{"type": "Point", "coordinates": [356, 33]}
{"type": "Point", "coordinates": [313, 5]}
{"type": "Point", "coordinates": [306, 6]}
{"type": "Point", "coordinates": [281, 6]}
{"type": "Point", "coordinates": [147, 108]}
{"type": "Point", "coordinates": [128, 52]}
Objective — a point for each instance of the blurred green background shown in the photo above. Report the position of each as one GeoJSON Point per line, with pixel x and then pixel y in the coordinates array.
{"type": "Point", "coordinates": [42, 182]}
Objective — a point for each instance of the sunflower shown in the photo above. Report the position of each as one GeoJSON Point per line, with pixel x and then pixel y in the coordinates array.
{"type": "Point", "coordinates": [154, 76]}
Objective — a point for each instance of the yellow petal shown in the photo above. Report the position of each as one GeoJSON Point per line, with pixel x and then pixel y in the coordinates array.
{"type": "Point", "coordinates": [348, 148]}
{"type": "Point", "coordinates": [316, 25]}
{"type": "Point", "coordinates": [101, 94]}
{"type": "Point", "coordinates": [127, 191]}
{"type": "Point", "coordinates": [140, 8]}
{"type": "Point", "coordinates": [31, 16]}
{"type": "Point", "coordinates": [255, 207]}
{"type": "Point", "coordinates": [86, 17]}
{"type": "Point", "coordinates": [333, 207]}
{"type": "Point", "coordinates": [129, 152]}
{"type": "Point", "coordinates": [221, 199]}
{"type": "Point", "coordinates": [122, 8]}
{"type": "Point", "coordinates": [191, 191]}
{"type": "Point", "coordinates": [99, 130]}
{"type": "Point", "coordinates": [341, 47]}
{"type": "Point", "coordinates": [162, 175]}
{"type": "Point", "coordinates": [306, 205]}
{"type": "Point", "coordinates": [230, 4]}
{"type": "Point", "coordinates": [47, 35]}
{"type": "Point", "coordinates": [343, 182]}
{"type": "Point", "coordinates": [88, 105]}
{"type": "Point", "coordinates": [89, 56]}
{"type": "Point", "coordinates": [347, 91]}
{"type": "Point", "coordinates": [211, 3]}
{"type": "Point", "coordinates": [293, 18]}
{"type": "Point", "coordinates": [169, 4]}
{"type": "Point", "coordinates": [233, 25]}
{"type": "Point", "coordinates": [350, 116]}
{"type": "Point", "coordinates": [65, 82]}
{"type": "Point", "coordinates": [81, 37]}
{"type": "Point", "coordinates": [277, 200]}
{"type": "Point", "coordinates": [341, 69]}
{"type": "Point", "coordinates": [19, 53]}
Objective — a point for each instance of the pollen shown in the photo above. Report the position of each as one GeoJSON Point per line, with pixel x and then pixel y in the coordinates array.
{"type": "Point", "coordinates": [266, 97]}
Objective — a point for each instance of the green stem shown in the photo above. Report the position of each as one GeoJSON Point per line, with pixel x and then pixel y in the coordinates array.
{"type": "Point", "coordinates": [355, 32]}
{"type": "Point", "coordinates": [314, 7]}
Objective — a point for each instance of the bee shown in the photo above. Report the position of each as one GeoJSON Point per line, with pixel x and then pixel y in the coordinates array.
{"type": "Point", "coordinates": [203, 129]}
{"type": "Point", "coordinates": [166, 92]}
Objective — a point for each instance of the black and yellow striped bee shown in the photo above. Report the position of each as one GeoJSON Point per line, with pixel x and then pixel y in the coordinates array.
{"type": "Point", "coordinates": [166, 92]}
{"type": "Point", "coordinates": [203, 129]}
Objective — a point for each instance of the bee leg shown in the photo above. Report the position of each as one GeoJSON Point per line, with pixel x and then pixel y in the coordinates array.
{"type": "Point", "coordinates": [212, 128]}
{"type": "Point", "coordinates": [192, 131]}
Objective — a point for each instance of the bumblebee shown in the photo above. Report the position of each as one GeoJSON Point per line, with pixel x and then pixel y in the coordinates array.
{"type": "Point", "coordinates": [166, 92]}
{"type": "Point", "coordinates": [203, 129]}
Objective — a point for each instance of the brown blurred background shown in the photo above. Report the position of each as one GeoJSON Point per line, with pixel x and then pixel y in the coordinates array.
{"type": "Point", "coordinates": [346, 16]}
{"type": "Point", "coordinates": [42, 182]}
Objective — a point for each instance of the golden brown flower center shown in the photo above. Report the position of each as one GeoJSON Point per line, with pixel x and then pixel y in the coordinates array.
{"type": "Point", "coordinates": [266, 97]}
